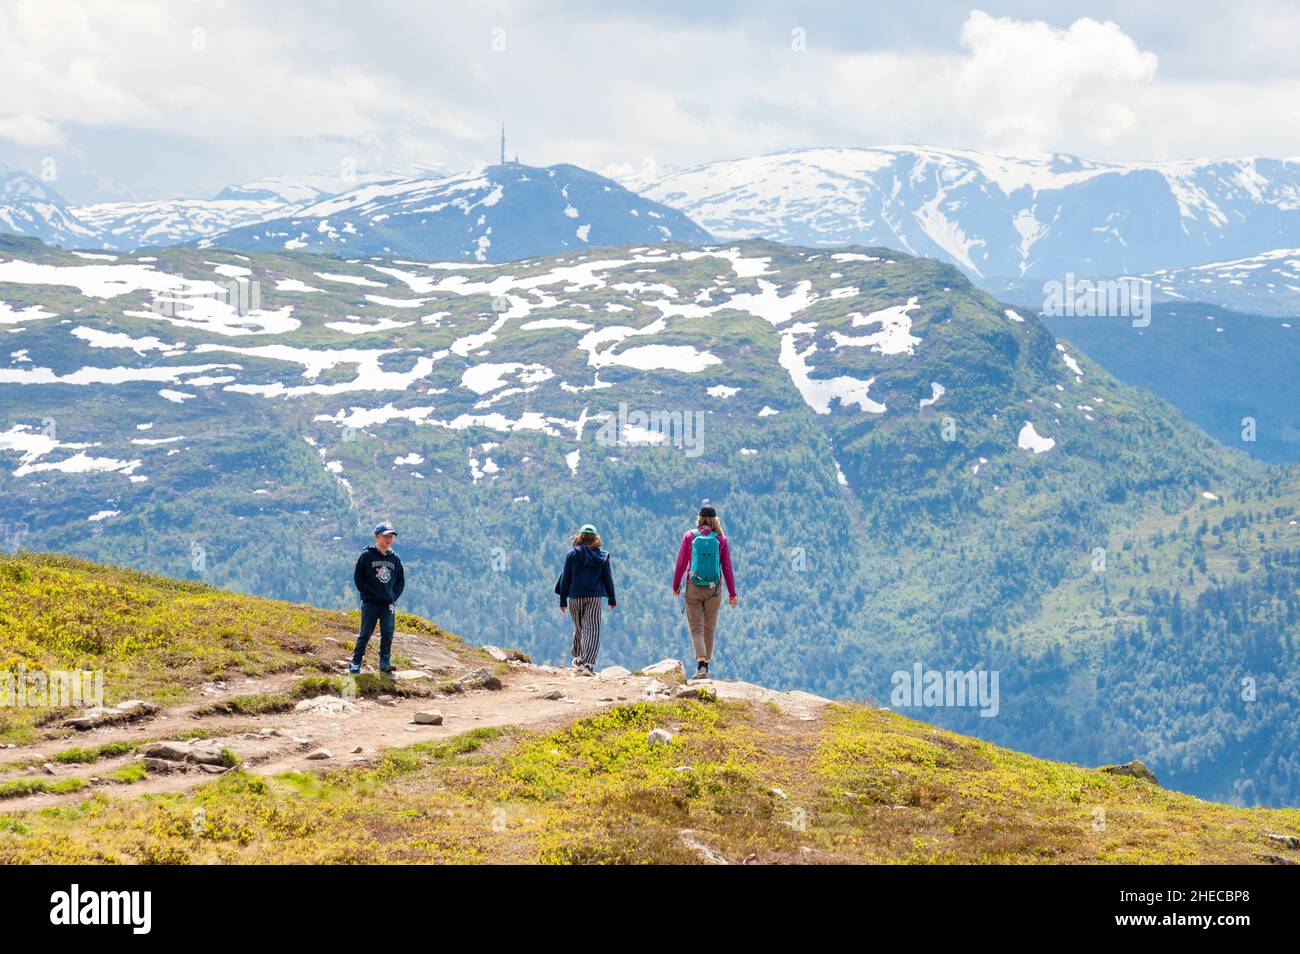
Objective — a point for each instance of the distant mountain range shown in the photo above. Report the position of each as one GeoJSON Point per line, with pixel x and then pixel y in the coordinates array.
{"type": "Point", "coordinates": [1221, 231]}
{"type": "Point", "coordinates": [498, 213]}
{"type": "Point", "coordinates": [1000, 216]}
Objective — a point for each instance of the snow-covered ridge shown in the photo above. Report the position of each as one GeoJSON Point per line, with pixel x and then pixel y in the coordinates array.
{"type": "Point", "coordinates": [494, 213]}
{"type": "Point", "coordinates": [998, 215]}
{"type": "Point", "coordinates": [524, 347]}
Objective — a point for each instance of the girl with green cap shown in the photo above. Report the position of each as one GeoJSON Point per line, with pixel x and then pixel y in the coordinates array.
{"type": "Point", "coordinates": [585, 581]}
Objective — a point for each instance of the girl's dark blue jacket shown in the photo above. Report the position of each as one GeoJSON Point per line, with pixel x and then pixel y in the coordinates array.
{"type": "Point", "coordinates": [586, 573]}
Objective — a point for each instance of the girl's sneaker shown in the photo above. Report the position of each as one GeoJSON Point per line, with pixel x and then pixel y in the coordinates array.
{"type": "Point", "coordinates": [702, 672]}
{"type": "Point", "coordinates": [354, 669]}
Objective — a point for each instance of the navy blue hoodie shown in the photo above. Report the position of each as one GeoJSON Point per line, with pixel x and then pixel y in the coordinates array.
{"type": "Point", "coordinates": [586, 573]}
{"type": "Point", "coordinates": [379, 577]}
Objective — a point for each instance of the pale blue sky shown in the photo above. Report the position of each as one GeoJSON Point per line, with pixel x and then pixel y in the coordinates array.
{"type": "Point", "coordinates": [136, 98]}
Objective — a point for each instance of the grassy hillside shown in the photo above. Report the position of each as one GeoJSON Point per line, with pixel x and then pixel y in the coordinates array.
{"type": "Point", "coordinates": [863, 786]}
{"type": "Point", "coordinates": [739, 781]}
{"type": "Point", "coordinates": [153, 638]}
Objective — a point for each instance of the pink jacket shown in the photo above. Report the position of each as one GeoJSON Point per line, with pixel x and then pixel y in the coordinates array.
{"type": "Point", "coordinates": [684, 560]}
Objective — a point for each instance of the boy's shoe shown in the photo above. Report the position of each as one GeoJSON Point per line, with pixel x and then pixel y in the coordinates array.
{"type": "Point", "coordinates": [354, 669]}
{"type": "Point", "coordinates": [387, 667]}
{"type": "Point", "coordinates": [585, 670]}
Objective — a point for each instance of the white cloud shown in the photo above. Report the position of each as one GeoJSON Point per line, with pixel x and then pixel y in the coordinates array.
{"type": "Point", "coordinates": [294, 87]}
{"type": "Point", "coordinates": [214, 71]}
{"type": "Point", "coordinates": [26, 130]}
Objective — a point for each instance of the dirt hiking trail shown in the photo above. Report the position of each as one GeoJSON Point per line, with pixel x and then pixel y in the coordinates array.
{"type": "Point", "coordinates": [182, 748]}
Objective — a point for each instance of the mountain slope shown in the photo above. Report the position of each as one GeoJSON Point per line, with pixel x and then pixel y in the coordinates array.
{"type": "Point", "coordinates": [910, 471]}
{"type": "Point", "coordinates": [501, 213]}
{"type": "Point", "coordinates": [517, 775]}
{"type": "Point", "coordinates": [130, 225]}
{"type": "Point", "coordinates": [145, 224]}
{"type": "Point", "coordinates": [1230, 373]}
{"type": "Point", "coordinates": [1265, 284]}
{"type": "Point", "coordinates": [999, 216]}
{"type": "Point", "coordinates": [29, 207]}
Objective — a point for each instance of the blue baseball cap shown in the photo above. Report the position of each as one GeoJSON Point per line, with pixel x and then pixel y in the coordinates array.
{"type": "Point", "coordinates": [384, 529]}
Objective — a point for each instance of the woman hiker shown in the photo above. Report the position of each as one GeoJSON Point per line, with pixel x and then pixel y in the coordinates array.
{"type": "Point", "coordinates": [704, 558]}
{"type": "Point", "coordinates": [586, 580]}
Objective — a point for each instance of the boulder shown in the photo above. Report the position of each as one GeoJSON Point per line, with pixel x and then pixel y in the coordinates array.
{"type": "Point", "coordinates": [49, 768]}
{"type": "Point", "coordinates": [410, 675]}
{"type": "Point", "coordinates": [553, 694]}
{"type": "Point", "coordinates": [97, 717]}
{"type": "Point", "coordinates": [167, 751]}
{"type": "Point", "coordinates": [1286, 841]}
{"type": "Point", "coordinates": [497, 653]}
{"type": "Point", "coordinates": [659, 737]}
{"type": "Point", "coordinates": [326, 705]}
{"type": "Point", "coordinates": [318, 755]}
{"type": "Point", "coordinates": [479, 679]}
{"type": "Point", "coordinates": [428, 717]}
{"type": "Point", "coordinates": [1134, 769]}
{"type": "Point", "coordinates": [614, 672]}
{"type": "Point", "coordinates": [160, 766]}
{"type": "Point", "coordinates": [207, 755]}
{"type": "Point", "coordinates": [665, 667]}
{"type": "Point", "coordinates": [213, 769]}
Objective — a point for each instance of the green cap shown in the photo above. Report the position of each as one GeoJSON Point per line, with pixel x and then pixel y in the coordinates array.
{"type": "Point", "coordinates": [588, 528]}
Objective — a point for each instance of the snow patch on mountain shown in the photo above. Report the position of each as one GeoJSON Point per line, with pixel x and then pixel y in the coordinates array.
{"type": "Point", "coordinates": [1029, 439]}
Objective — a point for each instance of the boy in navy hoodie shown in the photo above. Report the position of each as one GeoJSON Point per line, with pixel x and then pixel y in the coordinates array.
{"type": "Point", "coordinates": [379, 579]}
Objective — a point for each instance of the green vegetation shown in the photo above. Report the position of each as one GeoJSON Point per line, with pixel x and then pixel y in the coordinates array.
{"type": "Point", "coordinates": [17, 788]}
{"type": "Point", "coordinates": [259, 703]}
{"type": "Point", "coordinates": [739, 780]}
{"type": "Point", "coordinates": [128, 773]}
{"type": "Point", "coordinates": [87, 756]}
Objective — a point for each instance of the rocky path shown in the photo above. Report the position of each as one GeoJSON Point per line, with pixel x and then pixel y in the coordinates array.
{"type": "Point", "coordinates": [332, 731]}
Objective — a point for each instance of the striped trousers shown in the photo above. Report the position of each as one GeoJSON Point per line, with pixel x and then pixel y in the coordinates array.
{"type": "Point", "coordinates": [585, 612]}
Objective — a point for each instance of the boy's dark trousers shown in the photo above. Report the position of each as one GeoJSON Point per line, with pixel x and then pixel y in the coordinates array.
{"type": "Point", "coordinates": [372, 613]}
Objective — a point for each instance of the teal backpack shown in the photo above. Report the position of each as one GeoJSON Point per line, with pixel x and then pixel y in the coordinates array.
{"type": "Point", "coordinates": [706, 561]}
